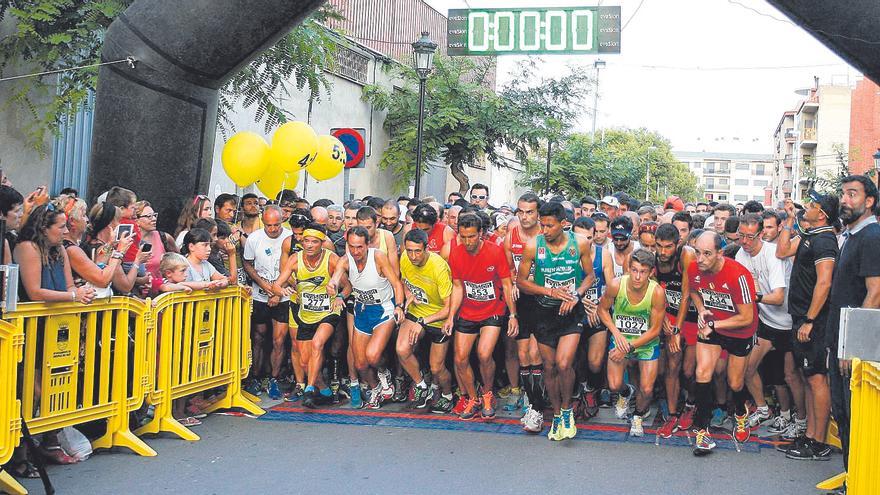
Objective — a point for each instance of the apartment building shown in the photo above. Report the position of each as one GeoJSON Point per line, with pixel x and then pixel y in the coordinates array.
{"type": "Point", "coordinates": [731, 177]}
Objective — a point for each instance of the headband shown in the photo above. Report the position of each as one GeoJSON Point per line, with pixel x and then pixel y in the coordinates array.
{"type": "Point", "coordinates": [108, 213]}
{"type": "Point", "coordinates": [314, 233]}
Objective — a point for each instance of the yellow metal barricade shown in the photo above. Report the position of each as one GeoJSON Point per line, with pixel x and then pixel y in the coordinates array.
{"type": "Point", "coordinates": [11, 342]}
{"type": "Point", "coordinates": [864, 438]}
{"type": "Point", "coordinates": [203, 342]}
{"type": "Point", "coordinates": [84, 363]}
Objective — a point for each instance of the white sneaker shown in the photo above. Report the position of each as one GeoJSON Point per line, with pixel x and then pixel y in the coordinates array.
{"type": "Point", "coordinates": [621, 407]}
{"type": "Point", "coordinates": [635, 429]}
{"type": "Point", "coordinates": [532, 421]}
{"type": "Point", "coordinates": [760, 415]}
{"type": "Point", "coordinates": [779, 426]}
{"type": "Point", "coordinates": [376, 398]}
{"type": "Point", "coordinates": [387, 389]}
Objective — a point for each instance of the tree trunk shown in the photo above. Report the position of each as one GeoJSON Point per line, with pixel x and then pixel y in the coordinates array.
{"type": "Point", "coordinates": [464, 183]}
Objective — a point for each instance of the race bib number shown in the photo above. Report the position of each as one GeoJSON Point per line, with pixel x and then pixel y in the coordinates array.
{"type": "Point", "coordinates": [567, 285]}
{"type": "Point", "coordinates": [718, 300]}
{"type": "Point", "coordinates": [593, 295]}
{"type": "Point", "coordinates": [420, 295]}
{"type": "Point", "coordinates": [318, 303]}
{"type": "Point", "coordinates": [631, 325]}
{"type": "Point", "coordinates": [480, 292]}
{"type": "Point", "coordinates": [366, 296]}
{"type": "Point", "coordinates": [673, 299]}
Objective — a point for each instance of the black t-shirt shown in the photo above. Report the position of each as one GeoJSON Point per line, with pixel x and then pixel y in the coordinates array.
{"type": "Point", "coordinates": [338, 240]}
{"type": "Point", "coordinates": [820, 245]}
{"type": "Point", "coordinates": [858, 259]}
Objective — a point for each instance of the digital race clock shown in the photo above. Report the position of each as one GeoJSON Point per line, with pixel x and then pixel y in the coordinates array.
{"type": "Point", "coordinates": [563, 30]}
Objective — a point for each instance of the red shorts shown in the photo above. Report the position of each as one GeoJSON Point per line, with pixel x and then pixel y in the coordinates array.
{"type": "Point", "coordinates": [688, 331]}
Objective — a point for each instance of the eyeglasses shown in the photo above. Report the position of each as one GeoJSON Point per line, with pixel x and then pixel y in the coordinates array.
{"type": "Point", "coordinates": [648, 228]}
{"type": "Point", "coordinates": [478, 196]}
{"type": "Point", "coordinates": [750, 237]}
{"type": "Point", "coordinates": [151, 215]}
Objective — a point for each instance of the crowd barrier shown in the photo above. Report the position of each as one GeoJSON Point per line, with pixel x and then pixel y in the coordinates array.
{"type": "Point", "coordinates": [864, 447]}
{"type": "Point", "coordinates": [67, 364]}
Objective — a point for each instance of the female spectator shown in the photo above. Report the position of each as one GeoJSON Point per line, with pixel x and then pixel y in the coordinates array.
{"type": "Point", "coordinates": [100, 246]}
{"type": "Point", "coordinates": [160, 242]}
{"type": "Point", "coordinates": [11, 210]}
{"type": "Point", "coordinates": [199, 207]}
{"type": "Point", "coordinates": [201, 274]}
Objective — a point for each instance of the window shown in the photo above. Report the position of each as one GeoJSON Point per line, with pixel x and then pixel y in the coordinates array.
{"type": "Point", "coordinates": [722, 197]}
{"type": "Point", "coordinates": [710, 183]}
{"type": "Point", "coordinates": [724, 168]}
{"type": "Point", "coordinates": [742, 166]}
{"type": "Point", "coordinates": [741, 182]}
{"type": "Point", "coordinates": [761, 183]}
{"type": "Point", "coordinates": [759, 199]}
{"type": "Point", "coordinates": [740, 198]}
{"type": "Point", "coordinates": [722, 181]}
{"type": "Point", "coordinates": [709, 168]}
{"type": "Point", "coordinates": [351, 64]}
{"type": "Point", "coordinates": [759, 169]}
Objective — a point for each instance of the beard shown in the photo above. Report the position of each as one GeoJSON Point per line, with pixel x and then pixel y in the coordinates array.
{"type": "Point", "coordinates": [849, 215]}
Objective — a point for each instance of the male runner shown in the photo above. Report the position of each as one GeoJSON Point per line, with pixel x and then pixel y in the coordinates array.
{"type": "Point", "coordinates": [563, 273]}
{"type": "Point", "coordinates": [425, 218]}
{"type": "Point", "coordinates": [391, 221]}
{"type": "Point", "coordinates": [595, 331]}
{"type": "Point", "coordinates": [673, 260]}
{"type": "Point", "coordinates": [723, 292]}
{"type": "Point", "coordinates": [616, 262]}
{"type": "Point", "coordinates": [479, 274]}
{"type": "Point", "coordinates": [428, 285]}
{"type": "Point", "coordinates": [308, 270]}
{"type": "Point", "coordinates": [378, 304]}
{"type": "Point", "coordinates": [639, 305]}
{"type": "Point", "coordinates": [600, 235]}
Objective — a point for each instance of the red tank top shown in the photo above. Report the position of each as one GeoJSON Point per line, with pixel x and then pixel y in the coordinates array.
{"type": "Point", "coordinates": [435, 237]}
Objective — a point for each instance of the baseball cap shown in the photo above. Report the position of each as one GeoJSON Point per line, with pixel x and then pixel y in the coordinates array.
{"type": "Point", "coordinates": [621, 227]}
{"type": "Point", "coordinates": [673, 203]}
{"type": "Point", "coordinates": [611, 201]}
{"type": "Point", "coordinates": [827, 203]}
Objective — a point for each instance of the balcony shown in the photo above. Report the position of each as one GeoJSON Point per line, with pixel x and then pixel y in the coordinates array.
{"type": "Point", "coordinates": [808, 138]}
{"type": "Point", "coordinates": [790, 135]}
{"type": "Point", "coordinates": [716, 170]}
{"type": "Point", "coordinates": [811, 105]}
{"type": "Point", "coordinates": [787, 161]}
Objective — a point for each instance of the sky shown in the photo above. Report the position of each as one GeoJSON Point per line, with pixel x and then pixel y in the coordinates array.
{"type": "Point", "coordinates": [710, 75]}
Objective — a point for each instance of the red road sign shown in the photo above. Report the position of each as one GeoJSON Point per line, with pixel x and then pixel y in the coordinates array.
{"type": "Point", "coordinates": [353, 141]}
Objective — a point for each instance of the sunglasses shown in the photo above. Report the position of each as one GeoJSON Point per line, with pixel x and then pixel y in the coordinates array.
{"type": "Point", "coordinates": [478, 196]}
{"type": "Point", "coordinates": [620, 238]}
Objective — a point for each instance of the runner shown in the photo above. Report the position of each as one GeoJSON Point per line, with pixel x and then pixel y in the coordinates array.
{"type": "Point", "coordinates": [639, 304]}
{"type": "Point", "coordinates": [673, 261]}
{"type": "Point", "coordinates": [530, 376]}
{"type": "Point", "coordinates": [563, 274]}
{"type": "Point", "coordinates": [723, 292]}
{"type": "Point", "coordinates": [428, 287]}
{"type": "Point", "coordinates": [594, 330]}
{"type": "Point", "coordinates": [308, 270]}
{"type": "Point", "coordinates": [479, 273]}
{"type": "Point", "coordinates": [616, 262]}
{"type": "Point", "coordinates": [379, 298]}
{"type": "Point", "coordinates": [425, 218]}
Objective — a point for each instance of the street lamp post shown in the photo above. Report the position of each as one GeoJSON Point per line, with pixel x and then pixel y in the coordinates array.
{"type": "Point", "coordinates": [423, 59]}
{"type": "Point", "coordinates": [877, 165]}
{"type": "Point", "coordinates": [598, 64]}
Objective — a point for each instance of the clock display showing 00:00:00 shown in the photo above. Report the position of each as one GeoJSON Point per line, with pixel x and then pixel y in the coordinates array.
{"type": "Point", "coordinates": [535, 30]}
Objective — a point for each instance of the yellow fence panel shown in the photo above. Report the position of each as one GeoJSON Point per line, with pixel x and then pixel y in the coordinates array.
{"type": "Point", "coordinates": [864, 447]}
{"type": "Point", "coordinates": [11, 343]}
{"type": "Point", "coordinates": [203, 342]}
{"type": "Point", "coordinates": [84, 363]}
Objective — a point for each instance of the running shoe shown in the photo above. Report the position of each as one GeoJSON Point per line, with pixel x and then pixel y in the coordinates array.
{"type": "Point", "coordinates": [295, 394]}
{"type": "Point", "coordinates": [704, 443]}
{"type": "Point", "coordinates": [532, 421]}
{"type": "Point", "coordinates": [490, 403]}
{"type": "Point", "coordinates": [387, 389]}
{"type": "Point", "coordinates": [400, 390]}
{"type": "Point", "coordinates": [422, 396]}
{"type": "Point", "coordinates": [357, 401]}
{"type": "Point", "coordinates": [514, 402]}
{"type": "Point", "coordinates": [621, 407]}
{"type": "Point", "coordinates": [555, 427]}
{"type": "Point", "coordinates": [310, 399]}
{"type": "Point", "coordinates": [669, 427]}
{"type": "Point", "coordinates": [761, 415]}
{"type": "Point", "coordinates": [568, 429]}
{"type": "Point", "coordinates": [376, 398]}
{"type": "Point", "coordinates": [719, 417]}
{"type": "Point", "coordinates": [254, 388]}
{"type": "Point", "coordinates": [471, 409]}
{"type": "Point", "coordinates": [459, 405]}
{"type": "Point", "coordinates": [779, 425]}
{"type": "Point", "coordinates": [686, 420]}
{"type": "Point", "coordinates": [741, 431]}
{"type": "Point", "coordinates": [274, 391]}
{"type": "Point", "coordinates": [505, 392]}
{"type": "Point", "coordinates": [442, 406]}
{"type": "Point", "coordinates": [591, 403]}
{"type": "Point", "coordinates": [606, 398]}
{"type": "Point", "coordinates": [810, 450]}
{"type": "Point", "coordinates": [635, 428]}
{"type": "Point", "coordinates": [786, 446]}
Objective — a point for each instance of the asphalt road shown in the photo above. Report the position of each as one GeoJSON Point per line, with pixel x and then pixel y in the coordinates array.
{"type": "Point", "coordinates": [242, 455]}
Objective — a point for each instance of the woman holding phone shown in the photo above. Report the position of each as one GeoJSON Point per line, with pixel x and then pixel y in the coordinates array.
{"type": "Point", "coordinates": [153, 241]}
{"type": "Point", "coordinates": [103, 245]}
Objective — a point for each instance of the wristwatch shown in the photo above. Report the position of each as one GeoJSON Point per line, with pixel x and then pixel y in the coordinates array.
{"type": "Point", "coordinates": [759, 298]}
{"type": "Point", "coordinates": [809, 320]}
{"type": "Point", "coordinates": [512, 316]}
{"type": "Point", "coordinates": [675, 330]}
{"type": "Point", "coordinates": [711, 324]}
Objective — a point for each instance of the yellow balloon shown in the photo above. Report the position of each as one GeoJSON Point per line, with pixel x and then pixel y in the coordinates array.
{"type": "Point", "coordinates": [274, 180]}
{"type": "Point", "coordinates": [294, 146]}
{"type": "Point", "coordinates": [245, 157]}
{"type": "Point", "coordinates": [330, 160]}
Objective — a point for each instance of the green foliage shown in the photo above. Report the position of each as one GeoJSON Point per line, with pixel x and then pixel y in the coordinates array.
{"type": "Point", "coordinates": [466, 122]}
{"type": "Point", "coordinates": [831, 182]}
{"type": "Point", "coordinates": [581, 166]}
{"type": "Point", "coordinates": [55, 34]}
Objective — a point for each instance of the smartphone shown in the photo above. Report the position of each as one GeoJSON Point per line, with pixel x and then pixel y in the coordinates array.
{"type": "Point", "coordinates": [146, 247]}
{"type": "Point", "coordinates": [123, 230]}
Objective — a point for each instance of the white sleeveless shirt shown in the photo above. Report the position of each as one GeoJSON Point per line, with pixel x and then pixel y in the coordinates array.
{"type": "Point", "coordinates": [368, 286]}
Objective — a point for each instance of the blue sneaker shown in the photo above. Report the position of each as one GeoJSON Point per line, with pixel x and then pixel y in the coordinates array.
{"type": "Point", "coordinates": [719, 417]}
{"type": "Point", "coordinates": [357, 401]}
{"type": "Point", "coordinates": [605, 398]}
{"type": "Point", "coordinates": [274, 391]}
{"type": "Point", "coordinates": [254, 388]}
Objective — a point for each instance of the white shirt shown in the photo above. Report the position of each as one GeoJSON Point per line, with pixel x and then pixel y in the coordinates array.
{"type": "Point", "coordinates": [769, 273]}
{"type": "Point", "coordinates": [265, 253]}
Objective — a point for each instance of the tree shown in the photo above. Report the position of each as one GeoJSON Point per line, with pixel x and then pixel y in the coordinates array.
{"type": "Point", "coordinates": [466, 122]}
{"type": "Point", "coordinates": [56, 34]}
{"type": "Point", "coordinates": [583, 166]}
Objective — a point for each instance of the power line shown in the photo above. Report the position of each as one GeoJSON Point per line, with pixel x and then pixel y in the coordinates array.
{"type": "Point", "coordinates": [130, 60]}
{"type": "Point", "coordinates": [708, 69]}
{"type": "Point", "coordinates": [786, 21]}
{"type": "Point", "coordinates": [625, 24]}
